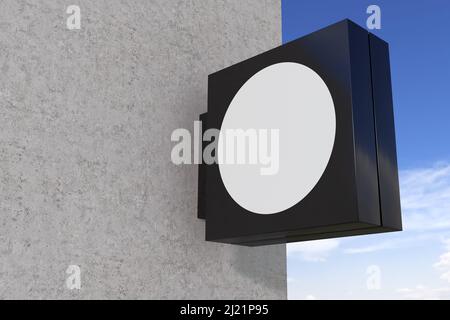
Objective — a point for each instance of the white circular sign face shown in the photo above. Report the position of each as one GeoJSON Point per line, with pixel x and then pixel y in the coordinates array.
{"type": "Point", "coordinates": [287, 103]}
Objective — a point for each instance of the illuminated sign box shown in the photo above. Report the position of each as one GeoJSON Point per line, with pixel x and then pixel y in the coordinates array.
{"type": "Point", "coordinates": [324, 104]}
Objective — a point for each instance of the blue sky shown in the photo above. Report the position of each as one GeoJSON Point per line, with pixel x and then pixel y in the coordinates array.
{"type": "Point", "coordinates": [414, 263]}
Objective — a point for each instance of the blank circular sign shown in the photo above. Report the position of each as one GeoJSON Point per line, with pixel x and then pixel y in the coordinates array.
{"type": "Point", "coordinates": [287, 103]}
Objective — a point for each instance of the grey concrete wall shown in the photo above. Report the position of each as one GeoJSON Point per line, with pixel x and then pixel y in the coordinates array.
{"type": "Point", "coordinates": [85, 171]}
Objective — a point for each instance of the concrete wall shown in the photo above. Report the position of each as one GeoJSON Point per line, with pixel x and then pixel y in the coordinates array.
{"type": "Point", "coordinates": [85, 171]}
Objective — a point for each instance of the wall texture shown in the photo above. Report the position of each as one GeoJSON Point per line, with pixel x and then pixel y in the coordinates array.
{"type": "Point", "coordinates": [85, 172]}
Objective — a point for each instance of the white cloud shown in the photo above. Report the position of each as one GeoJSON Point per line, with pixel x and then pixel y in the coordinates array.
{"type": "Point", "coordinates": [425, 198]}
{"type": "Point", "coordinates": [426, 293]}
{"type": "Point", "coordinates": [421, 292]}
{"type": "Point", "coordinates": [372, 248]}
{"type": "Point", "coordinates": [397, 241]}
{"type": "Point", "coordinates": [310, 297]}
{"type": "Point", "coordinates": [318, 250]}
{"type": "Point", "coordinates": [443, 265]}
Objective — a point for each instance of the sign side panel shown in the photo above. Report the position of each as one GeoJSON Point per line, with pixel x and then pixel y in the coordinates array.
{"type": "Point", "coordinates": [385, 133]}
{"type": "Point", "coordinates": [364, 127]}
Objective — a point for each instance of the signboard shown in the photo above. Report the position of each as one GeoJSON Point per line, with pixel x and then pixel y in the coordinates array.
{"type": "Point", "coordinates": [306, 147]}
